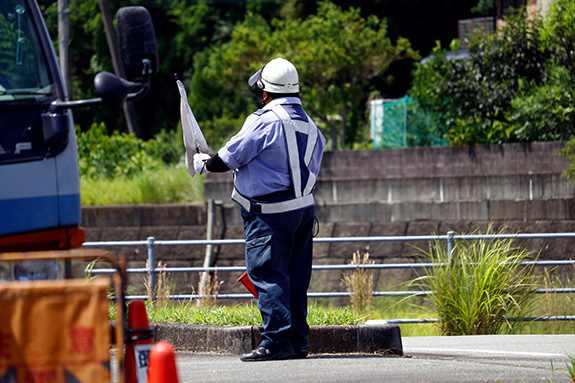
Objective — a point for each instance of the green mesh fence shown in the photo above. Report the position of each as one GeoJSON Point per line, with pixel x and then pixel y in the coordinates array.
{"type": "Point", "coordinates": [400, 123]}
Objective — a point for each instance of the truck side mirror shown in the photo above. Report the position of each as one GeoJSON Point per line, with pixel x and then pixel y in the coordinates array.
{"type": "Point", "coordinates": [137, 41]}
{"type": "Point", "coordinates": [112, 89]}
{"type": "Point", "coordinates": [139, 52]}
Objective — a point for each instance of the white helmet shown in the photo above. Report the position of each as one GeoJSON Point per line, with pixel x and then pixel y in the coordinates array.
{"type": "Point", "coordinates": [277, 76]}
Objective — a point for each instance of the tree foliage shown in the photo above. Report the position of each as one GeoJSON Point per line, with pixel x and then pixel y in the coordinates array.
{"type": "Point", "coordinates": [182, 29]}
{"type": "Point", "coordinates": [337, 53]}
{"type": "Point", "coordinates": [516, 84]}
{"type": "Point", "coordinates": [187, 32]}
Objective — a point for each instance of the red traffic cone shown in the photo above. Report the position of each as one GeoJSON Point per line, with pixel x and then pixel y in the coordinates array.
{"type": "Point", "coordinates": [138, 343]}
{"type": "Point", "coordinates": [245, 280]}
{"type": "Point", "coordinates": [162, 364]}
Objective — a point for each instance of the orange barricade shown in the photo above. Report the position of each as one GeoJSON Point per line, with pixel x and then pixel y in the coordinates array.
{"type": "Point", "coordinates": [51, 329]}
{"type": "Point", "coordinates": [58, 331]}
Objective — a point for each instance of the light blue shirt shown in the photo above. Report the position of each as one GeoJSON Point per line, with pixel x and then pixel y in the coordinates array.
{"type": "Point", "coordinates": [258, 153]}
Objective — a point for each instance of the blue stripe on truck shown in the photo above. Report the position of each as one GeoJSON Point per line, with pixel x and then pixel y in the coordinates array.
{"type": "Point", "coordinates": [22, 215]}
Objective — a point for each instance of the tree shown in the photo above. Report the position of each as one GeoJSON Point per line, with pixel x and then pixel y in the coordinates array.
{"type": "Point", "coordinates": [337, 53]}
{"type": "Point", "coordinates": [516, 84]}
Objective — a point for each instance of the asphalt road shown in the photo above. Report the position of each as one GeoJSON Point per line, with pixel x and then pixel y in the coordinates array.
{"type": "Point", "coordinates": [499, 358]}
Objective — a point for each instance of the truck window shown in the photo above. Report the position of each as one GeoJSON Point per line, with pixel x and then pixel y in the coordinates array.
{"type": "Point", "coordinates": [26, 87]}
{"type": "Point", "coordinates": [22, 64]}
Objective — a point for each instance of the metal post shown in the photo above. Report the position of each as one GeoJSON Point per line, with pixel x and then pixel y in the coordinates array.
{"type": "Point", "coordinates": [152, 267]}
{"type": "Point", "coordinates": [450, 246]}
{"type": "Point", "coordinates": [112, 38]}
{"type": "Point", "coordinates": [406, 99]}
{"type": "Point", "coordinates": [64, 44]}
{"type": "Point", "coordinates": [208, 256]}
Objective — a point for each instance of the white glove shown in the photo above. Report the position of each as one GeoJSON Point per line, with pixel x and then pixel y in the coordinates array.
{"type": "Point", "coordinates": [200, 162]}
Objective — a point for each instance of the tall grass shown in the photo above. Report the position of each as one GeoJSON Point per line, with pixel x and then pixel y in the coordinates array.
{"type": "Point", "coordinates": [167, 185]}
{"type": "Point", "coordinates": [359, 283]}
{"type": "Point", "coordinates": [483, 290]}
{"type": "Point", "coordinates": [165, 285]}
{"type": "Point", "coordinates": [208, 288]}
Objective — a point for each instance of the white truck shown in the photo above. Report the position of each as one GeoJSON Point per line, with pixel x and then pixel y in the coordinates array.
{"type": "Point", "coordinates": [39, 177]}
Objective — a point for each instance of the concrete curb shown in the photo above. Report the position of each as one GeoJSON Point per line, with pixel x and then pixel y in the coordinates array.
{"type": "Point", "coordinates": [370, 338]}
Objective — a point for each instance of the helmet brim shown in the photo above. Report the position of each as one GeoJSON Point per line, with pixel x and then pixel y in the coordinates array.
{"type": "Point", "coordinates": [255, 77]}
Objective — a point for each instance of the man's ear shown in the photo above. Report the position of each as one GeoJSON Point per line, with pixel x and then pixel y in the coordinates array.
{"type": "Point", "coordinates": [266, 97]}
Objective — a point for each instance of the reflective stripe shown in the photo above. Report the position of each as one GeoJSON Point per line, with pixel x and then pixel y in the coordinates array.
{"type": "Point", "coordinates": [290, 128]}
{"type": "Point", "coordinates": [293, 155]}
{"type": "Point", "coordinates": [311, 142]}
{"type": "Point", "coordinates": [310, 184]}
{"type": "Point", "coordinates": [274, 207]}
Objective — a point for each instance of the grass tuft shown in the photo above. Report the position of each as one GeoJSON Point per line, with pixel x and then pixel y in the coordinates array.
{"type": "Point", "coordinates": [483, 290]}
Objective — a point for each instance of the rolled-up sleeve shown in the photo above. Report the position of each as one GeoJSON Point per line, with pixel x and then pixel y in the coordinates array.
{"type": "Point", "coordinates": [250, 141]}
{"type": "Point", "coordinates": [228, 159]}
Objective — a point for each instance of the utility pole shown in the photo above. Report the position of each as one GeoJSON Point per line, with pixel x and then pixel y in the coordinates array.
{"type": "Point", "coordinates": [64, 44]}
{"type": "Point", "coordinates": [129, 111]}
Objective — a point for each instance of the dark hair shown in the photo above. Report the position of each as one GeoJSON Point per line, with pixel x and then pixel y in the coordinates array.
{"type": "Point", "coordinates": [280, 95]}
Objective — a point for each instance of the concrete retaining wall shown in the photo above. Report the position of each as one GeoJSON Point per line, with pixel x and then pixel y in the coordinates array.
{"type": "Point", "coordinates": [384, 192]}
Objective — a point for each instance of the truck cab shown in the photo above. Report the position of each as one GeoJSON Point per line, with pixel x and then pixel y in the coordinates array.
{"type": "Point", "coordinates": [39, 176]}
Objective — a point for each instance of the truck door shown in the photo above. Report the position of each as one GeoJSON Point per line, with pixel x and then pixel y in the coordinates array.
{"type": "Point", "coordinates": [39, 180]}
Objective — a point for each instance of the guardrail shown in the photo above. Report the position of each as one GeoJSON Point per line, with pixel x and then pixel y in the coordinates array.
{"type": "Point", "coordinates": [151, 243]}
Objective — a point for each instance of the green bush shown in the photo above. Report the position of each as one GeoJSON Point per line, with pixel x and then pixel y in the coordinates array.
{"type": "Point", "coordinates": [122, 169]}
{"type": "Point", "coordinates": [220, 129]}
{"type": "Point", "coordinates": [107, 156]}
{"type": "Point", "coordinates": [422, 128]}
{"type": "Point", "coordinates": [569, 152]}
{"type": "Point", "coordinates": [166, 146]}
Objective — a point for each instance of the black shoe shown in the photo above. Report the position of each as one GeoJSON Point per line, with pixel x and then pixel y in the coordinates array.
{"type": "Point", "coordinates": [301, 353]}
{"type": "Point", "coordinates": [261, 353]}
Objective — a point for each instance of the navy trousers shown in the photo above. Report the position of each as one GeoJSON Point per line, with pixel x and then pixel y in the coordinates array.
{"type": "Point", "coordinates": [279, 251]}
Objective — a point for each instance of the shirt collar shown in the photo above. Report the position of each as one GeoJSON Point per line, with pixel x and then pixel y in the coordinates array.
{"type": "Point", "coordinates": [282, 101]}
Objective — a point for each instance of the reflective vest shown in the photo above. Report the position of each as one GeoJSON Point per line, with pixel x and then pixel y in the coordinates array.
{"type": "Point", "coordinates": [299, 158]}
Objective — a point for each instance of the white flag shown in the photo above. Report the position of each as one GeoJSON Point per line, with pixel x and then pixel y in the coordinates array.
{"type": "Point", "coordinates": [194, 141]}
